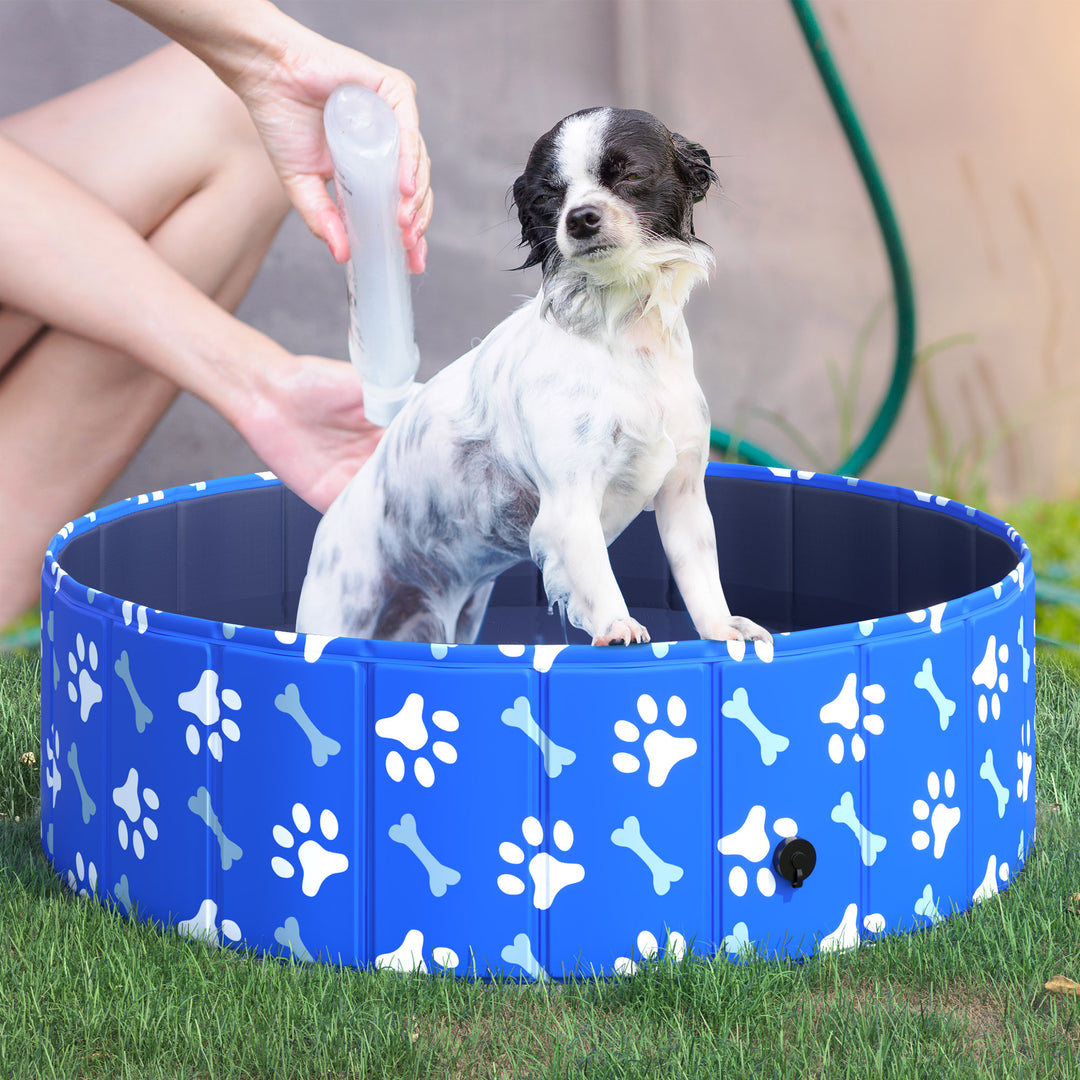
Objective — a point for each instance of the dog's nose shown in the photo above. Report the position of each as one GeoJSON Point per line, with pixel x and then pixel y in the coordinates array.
{"type": "Point", "coordinates": [583, 222]}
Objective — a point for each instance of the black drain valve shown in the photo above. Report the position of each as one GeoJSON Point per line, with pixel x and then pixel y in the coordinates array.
{"type": "Point", "coordinates": [794, 860]}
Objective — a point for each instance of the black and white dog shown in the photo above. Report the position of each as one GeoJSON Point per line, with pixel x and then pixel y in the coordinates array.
{"type": "Point", "coordinates": [572, 416]}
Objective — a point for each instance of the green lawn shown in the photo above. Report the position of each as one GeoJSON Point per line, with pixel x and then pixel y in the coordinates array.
{"type": "Point", "coordinates": [83, 993]}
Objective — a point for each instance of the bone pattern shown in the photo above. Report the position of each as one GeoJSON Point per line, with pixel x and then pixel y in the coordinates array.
{"type": "Point", "coordinates": [687, 859]}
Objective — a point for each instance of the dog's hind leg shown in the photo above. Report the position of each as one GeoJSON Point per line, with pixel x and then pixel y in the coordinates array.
{"type": "Point", "coordinates": [407, 616]}
{"type": "Point", "coordinates": [472, 615]}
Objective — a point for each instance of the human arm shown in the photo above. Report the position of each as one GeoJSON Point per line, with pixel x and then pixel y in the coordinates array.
{"type": "Point", "coordinates": [71, 263]}
{"type": "Point", "coordinates": [284, 73]}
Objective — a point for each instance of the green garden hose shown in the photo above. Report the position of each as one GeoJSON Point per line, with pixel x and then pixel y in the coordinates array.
{"type": "Point", "coordinates": [903, 293]}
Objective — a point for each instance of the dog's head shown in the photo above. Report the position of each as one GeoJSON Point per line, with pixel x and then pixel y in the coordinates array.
{"type": "Point", "coordinates": [606, 184]}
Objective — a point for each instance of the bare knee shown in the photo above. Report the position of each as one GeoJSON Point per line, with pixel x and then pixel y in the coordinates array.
{"type": "Point", "coordinates": [233, 145]}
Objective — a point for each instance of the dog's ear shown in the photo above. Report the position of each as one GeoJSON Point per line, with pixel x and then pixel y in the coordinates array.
{"type": "Point", "coordinates": [697, 164]}
{"type": "Point", "coordinates": [531, 234]}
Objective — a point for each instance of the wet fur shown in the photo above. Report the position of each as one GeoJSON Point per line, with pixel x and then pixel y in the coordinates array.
{"type": "Point", "coordinates": [546, 440]}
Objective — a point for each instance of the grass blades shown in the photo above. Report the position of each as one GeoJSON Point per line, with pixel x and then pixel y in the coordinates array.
{"type": "Point", "coordinates": [85, 993]}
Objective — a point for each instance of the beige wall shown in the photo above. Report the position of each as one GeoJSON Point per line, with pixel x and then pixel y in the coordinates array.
{"type": "Point", "coordinates": [971, 106]}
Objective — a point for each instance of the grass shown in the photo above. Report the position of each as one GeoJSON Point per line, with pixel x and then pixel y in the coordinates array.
{"type": "Point", "coordinates": [1051, 530]}
{"type": "Point", "coordinates": [83, 993]}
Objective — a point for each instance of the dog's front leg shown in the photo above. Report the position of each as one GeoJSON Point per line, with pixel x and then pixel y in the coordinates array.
{"type": "Point", "coordinates": [567, 543]}
{"type": "Point", "coordinates": [689, 538]}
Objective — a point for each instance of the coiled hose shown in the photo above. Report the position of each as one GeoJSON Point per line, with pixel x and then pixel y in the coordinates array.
{"type": "Point", "coordinates": [903, 293]}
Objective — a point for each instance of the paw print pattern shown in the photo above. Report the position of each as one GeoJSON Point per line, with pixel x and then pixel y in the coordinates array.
{"type": "Point", "coordinates": [943, 819]}
{"type": "Point", "coordinates": [549, 875]}
{"type": "Point", "coordinates": [83, 880]}
{"type": "Point", "coordinates": [662, 749]}
{"type": "Point", "coordinates": [408, 728]}
{"type": "Point", "coordinates": [1024, 762]}
{"type": "Point", "coordinates": [751, 842]}
{"type": "Point", "coordinates": [316, 861]}
{"type": "Point", "coordinates": [987, 676]}
{"type": "Point", "coordinates": [205, 704]}
{"type": "Point", "coordinates": [127, 798]}
{"type": "Point", "coordinates": [53, 780]}
{"type": "Point", "coordinates": [86, 692]}
{"type": "Point", "coordinates": [844, 710]}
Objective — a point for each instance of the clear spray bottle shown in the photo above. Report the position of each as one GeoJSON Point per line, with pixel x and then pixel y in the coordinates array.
{"type": "Point", "coordinates": [362, 133]}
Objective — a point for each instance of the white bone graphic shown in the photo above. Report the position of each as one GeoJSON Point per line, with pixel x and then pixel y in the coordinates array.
{"type": "Point", "coordinates": [199, 805]}
{"type": "Point", "coordinates": [663, 873]}
{"type": "Point", "coordinates": [88, 806]}
{"type": "Point", "coordinates": [738, 940]}
{"type": "Point", "coordinates": [288, 936]}
{"type": "Point", "coordinates": [988, 773]}
{"type": "Point", "coordinates": [143, 715]}
{"type": "Point", "coordinates": [555, 757]}
{"type": "Point", "coordinates": [520, 953]}
{"type": "Point", "coordinates": [738, 708]}
{"type": "Point", "coordinates": [924, 680]}
{"type": "Point", "coordinates": [870, 844]}
{"type": "Point", "coordinates": [322, 746]}
{"type": "Point", "coordinates": [926, 907]}
{"type": "Point", "coordinates": [439, 877]}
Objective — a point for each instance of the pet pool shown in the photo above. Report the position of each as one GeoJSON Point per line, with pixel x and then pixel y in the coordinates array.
{"type": "Point", "coordinates": [537, 808]}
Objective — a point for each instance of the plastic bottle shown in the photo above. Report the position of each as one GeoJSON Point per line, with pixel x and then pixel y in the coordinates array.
{"type": "Point", "coordinates": [362, 133]}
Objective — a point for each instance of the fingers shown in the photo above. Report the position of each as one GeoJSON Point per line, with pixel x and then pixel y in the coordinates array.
{"type": "Point", "coordinates": [414, 177]}
{"type": "Point", "coordinates": [309, 195]}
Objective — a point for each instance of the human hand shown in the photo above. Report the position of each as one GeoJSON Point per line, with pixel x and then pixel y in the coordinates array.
{"type": "Point", "coordinates": [284, 73]}
{"type": "Point", "coordinates": [307, 423]}
{"type": "Point", "coordinates": [285, 93]}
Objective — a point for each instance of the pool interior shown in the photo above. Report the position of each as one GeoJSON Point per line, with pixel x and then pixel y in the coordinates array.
{"type": "Point", "coordinates": [792, 557]}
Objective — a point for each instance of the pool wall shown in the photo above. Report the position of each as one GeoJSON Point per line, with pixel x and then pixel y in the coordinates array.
{"type": "Point", "coordinates": [541, 809]}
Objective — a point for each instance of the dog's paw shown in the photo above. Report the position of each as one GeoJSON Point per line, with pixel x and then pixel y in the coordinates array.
{"type": "Point", "coordinates": [626, 631]}
{"type": "Point", "coordinates": [736, 628]}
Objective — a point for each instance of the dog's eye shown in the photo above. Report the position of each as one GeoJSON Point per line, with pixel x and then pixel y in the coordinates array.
{"type": "Point", "coordinates": [632, 175]}
{"type": "Point", "coordinates": [547, 192]}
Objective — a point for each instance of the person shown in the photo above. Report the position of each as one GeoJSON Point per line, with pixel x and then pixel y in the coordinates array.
{"type": "Point", "coordinates": [134, 213]}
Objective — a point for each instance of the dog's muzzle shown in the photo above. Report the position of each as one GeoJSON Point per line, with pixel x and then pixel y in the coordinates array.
{"type": "Point", "coordinates": [583, 222]}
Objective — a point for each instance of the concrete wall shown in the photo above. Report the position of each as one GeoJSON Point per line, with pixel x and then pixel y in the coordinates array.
{"type": "Point", "coordinates": [970, 106]}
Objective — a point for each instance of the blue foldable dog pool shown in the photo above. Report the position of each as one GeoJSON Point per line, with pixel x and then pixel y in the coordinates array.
{"type": "Point", "coordinates": [528, 806]}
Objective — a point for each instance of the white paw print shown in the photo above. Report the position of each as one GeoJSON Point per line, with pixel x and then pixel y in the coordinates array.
{"type": "Point", "coordinates": [85, 884]}
{"type": "Point", "coordinates": [203, 925]}
{"type": "Point", "coordinates": [986, 675]}
{"type": "Point", "coordinates": [751, 842]}
{"type": "Point", "coordinates": [88, 692]}
{"type": "Point", "coordinates": [549, 875]}
{"type": "Point", "coordinates": [943, 819]}
{"type": "Point", "coordinates": [408, 728]}
{"type": "Point", "coordinates": [316, 861]}
{"type": "Point", "coordinates": [53, 779]}
{"type": "Point", "coordinates": [205, 704]}
{"type": "Point", "coordinates": [662, 749]}
{"type": "Point", "coordinates": [1024, 762]}
{"type": "Point", "coordinates": [127, 798]}
{"type": "Point", "coordinates": [648, 949]}
{"type": "Point", "coordinates": [844, 710]}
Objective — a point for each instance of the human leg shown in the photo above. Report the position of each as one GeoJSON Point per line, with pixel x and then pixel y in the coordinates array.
{"type": "Point", "coordinates": [200, 189]}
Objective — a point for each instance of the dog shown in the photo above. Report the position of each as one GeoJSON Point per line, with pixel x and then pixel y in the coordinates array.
{"type": "Point", "coordinates": [573, 415]}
